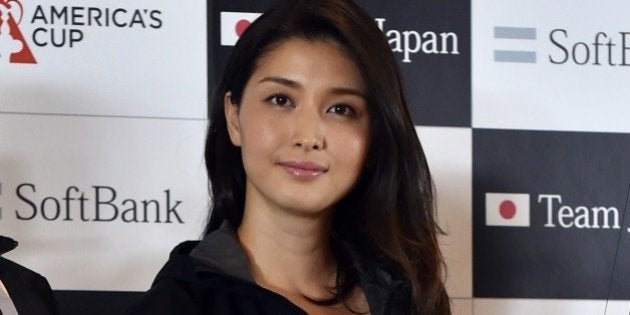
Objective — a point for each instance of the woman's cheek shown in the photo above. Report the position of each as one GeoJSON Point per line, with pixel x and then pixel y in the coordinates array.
{"type": "Point", "coordinates": [264, 139]}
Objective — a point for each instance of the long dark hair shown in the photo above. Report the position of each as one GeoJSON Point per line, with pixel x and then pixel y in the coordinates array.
{"type": "Point", "coordinates": [389, 216]}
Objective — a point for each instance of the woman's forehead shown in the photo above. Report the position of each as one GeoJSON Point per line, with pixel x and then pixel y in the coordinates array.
{"type": "Point", "coordinates": [304, 60]}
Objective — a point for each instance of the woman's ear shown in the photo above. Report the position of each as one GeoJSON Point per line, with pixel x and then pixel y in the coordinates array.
{"type": "Point", "coordinates": [231, 117]}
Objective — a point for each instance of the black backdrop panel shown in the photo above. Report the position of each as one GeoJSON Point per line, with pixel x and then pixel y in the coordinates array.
{"type": "Point", "coordinates": [436, 70]}
{"type": "Point", "coordinates": [438, 84]}
{"type": "Point", "coordinates": [577, 185]}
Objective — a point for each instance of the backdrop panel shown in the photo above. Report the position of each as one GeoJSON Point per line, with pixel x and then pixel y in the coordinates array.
{"type": "Point", "coordinates": [575, 201]}
{"type": "Point", "coordinates": [533, 306]}
{"type": "Point", "coordinates": [551, 65]}
{"type": "Point", "coordinates": [141, 58]}
{"type": "Point", "coordinates": [448, 151]}
{"type": "Point", "coordinates": [97, 203]}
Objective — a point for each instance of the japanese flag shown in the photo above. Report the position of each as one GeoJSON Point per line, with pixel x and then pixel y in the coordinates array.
{"type": "Point", "coordinates": [507, 209]}
{"type": "Point", "coordinates": [233, 24]}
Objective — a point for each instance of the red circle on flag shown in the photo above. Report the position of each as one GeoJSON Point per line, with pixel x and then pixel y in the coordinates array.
{"type": "Point", "coordinates": [507, 209]}
{"type": "Point", "coordinates": [241, 26]}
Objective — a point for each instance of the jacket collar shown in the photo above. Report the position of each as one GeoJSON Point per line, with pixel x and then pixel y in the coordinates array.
{"type": "Point", "coordinates": [221, 251]}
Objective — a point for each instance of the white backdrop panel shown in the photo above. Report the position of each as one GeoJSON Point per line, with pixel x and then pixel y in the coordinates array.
{"type": "Point", "coordinates": [113, 70]}
{"type": "Point", "coordinates": [141, 159]}
{"type": "Point", "coordinates": [462, 306]}
{"type": "Point", "coordinates": [449, 153]}
{"type": "Point", "coordinates": [555, 307]}
{"type": "Point", "coordinates": [555, 92]}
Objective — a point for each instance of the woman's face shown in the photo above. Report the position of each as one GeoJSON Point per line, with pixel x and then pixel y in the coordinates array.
{"type": "Point", "coordinates": [302, 126]}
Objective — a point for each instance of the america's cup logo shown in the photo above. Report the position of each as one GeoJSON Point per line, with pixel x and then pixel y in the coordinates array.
{"type": "Point", "coordinates": [13, 47]}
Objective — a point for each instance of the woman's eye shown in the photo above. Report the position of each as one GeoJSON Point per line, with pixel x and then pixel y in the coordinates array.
{"type": "Point", "coordinates": [342, 109]}
{"type": "Point", "coordinates": [279, 99]}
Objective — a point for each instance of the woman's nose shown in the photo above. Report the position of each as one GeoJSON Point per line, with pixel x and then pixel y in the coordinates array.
{"type": "Point", "coordinates": [308, 130]}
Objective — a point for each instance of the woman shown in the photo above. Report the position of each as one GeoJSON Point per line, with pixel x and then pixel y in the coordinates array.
{"type": "Point", "coordinates": [322, 199]}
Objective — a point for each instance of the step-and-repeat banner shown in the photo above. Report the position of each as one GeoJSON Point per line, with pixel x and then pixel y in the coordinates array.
{"type": "Point", "coordinates": [521, 108]}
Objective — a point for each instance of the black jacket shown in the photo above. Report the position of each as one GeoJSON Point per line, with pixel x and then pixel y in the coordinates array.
{"type": "Point", "coordinates": [29, 292]}
{"type": "Point", "coordinates": [212, 277]}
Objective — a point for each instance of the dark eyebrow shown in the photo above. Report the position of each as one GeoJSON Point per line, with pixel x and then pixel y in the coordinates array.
{"type": "Point", "coordinates": [283, 81]}
{"type": "Point", "coordinates": [346, 91]}
{"type": "Point", "coordinates": [297, 85]}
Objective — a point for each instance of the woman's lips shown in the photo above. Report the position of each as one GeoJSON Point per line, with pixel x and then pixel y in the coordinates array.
{"type": "Point", "coordinates": [303, 169]}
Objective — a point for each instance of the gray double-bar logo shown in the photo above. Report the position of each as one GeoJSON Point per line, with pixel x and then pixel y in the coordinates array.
{"type": "Point", "coordinates": [517, 33]}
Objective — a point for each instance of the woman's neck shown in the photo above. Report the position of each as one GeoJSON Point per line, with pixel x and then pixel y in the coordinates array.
{"type": "Point", "coordinates": [289, 253]}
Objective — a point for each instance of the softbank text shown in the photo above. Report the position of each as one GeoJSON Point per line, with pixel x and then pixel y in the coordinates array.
{"type": "Point", "coordinates": [601, 49]}
{"type": "Point", "coordinates": [99, 204]}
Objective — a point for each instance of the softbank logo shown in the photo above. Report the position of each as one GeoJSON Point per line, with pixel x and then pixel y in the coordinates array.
{"type": "Point", "coordinates": [234, 24]}
{"type": "Point", "coordinates": [514, 34]}
{"type": "Point", "coordinates": [563, 47]}
{"type": "Point", "coordinates": [504, 209]}
{"type": "Point", "coordinates": [13, 47]}
{"type": "Point", "coordinates": [94, 204]}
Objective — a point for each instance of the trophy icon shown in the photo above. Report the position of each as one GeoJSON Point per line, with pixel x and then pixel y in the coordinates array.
{"type": "Point", "coordinates": [13, 48]}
